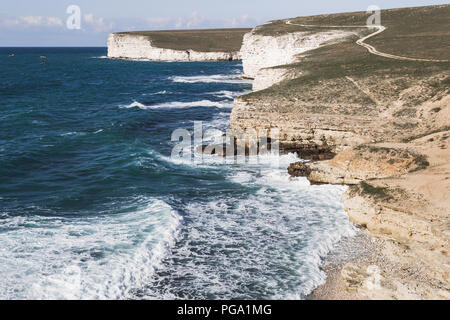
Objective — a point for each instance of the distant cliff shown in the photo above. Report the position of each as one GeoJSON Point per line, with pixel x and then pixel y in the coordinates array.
{"type": "Point", "coordinates": [177, 45]}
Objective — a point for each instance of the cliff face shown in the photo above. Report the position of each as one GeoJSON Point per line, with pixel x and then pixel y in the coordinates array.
{"type": "Point", "coordinates": [131, 46]}
{"type": "Point", "coordinates": [299, 132]}
{"type": "Point", "coordinates": [260, 52]}
{"type": "Point", "coordinates": [266, 59]}
{"type": "Point", "coordinates": [378, 124]}
{"type": "Point", "coordinates": [267, 77]}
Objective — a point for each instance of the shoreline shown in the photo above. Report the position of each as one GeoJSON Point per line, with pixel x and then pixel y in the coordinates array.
{"type": "Point", "coordinates": [374, 271]}
{"type": "Point", "coordinates": [375, 122]}
{"type": "Point", "coordinates": [385, 264]}
{"type": "Point", "coordinates": [383, 133]}
{"type": "Point", "coordinates": [349, 250]}
{"type": "Point", "coordinates": [359, 249]}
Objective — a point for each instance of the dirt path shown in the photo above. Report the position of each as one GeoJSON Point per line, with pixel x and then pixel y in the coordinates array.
{"type": "Point", "coordinates": [371, 49]}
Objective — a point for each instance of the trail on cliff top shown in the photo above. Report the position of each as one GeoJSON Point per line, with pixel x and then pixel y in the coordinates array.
{"type": "Point", "coordinates": [371, 49]}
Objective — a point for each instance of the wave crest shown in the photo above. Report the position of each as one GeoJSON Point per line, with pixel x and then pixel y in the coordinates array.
{"type": "Point", "coordinates": [100, 257]}
{"type": "Point", "coordinates": [180, 105]}
{"type": "Point", "coordinates": [217, 78]}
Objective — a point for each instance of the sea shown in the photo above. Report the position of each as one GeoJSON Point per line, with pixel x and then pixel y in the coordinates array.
{"type": "Point", "coordinates": [94, 206]}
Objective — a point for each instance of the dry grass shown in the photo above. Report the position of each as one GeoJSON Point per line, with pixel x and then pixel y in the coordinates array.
{"type": "Point", "coordinates": [321, 86]}
{"type": "Point", "coordinates": [420, 32]}
{"type": "Point", "coordinates": [206, 40]}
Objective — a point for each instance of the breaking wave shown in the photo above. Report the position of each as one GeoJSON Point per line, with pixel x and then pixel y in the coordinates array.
{"type": "Point", "coordinates": [178, 105]}
{"type": "Point", "coordinates": [105, 256]}
{"type": "Point", "coordinates": [218, 78]}
{"type": "Point", "coordinates": [267, 245]}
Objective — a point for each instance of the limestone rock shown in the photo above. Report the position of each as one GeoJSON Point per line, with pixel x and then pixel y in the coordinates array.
{"type": "Point", "coordinates": [126, 46]}
{"type": "Point", "coordinates": [264, 51]}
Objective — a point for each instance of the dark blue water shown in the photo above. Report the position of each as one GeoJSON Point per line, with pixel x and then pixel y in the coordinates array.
{"type": "Point", "coordinates": [93, 206]}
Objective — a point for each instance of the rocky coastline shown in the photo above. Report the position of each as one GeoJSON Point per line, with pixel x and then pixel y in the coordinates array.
{"type": "Point", "coordinates": [142, 47]}
{"type": "Point", "coordinates": [380, 125]}
{"type": "Point", "coordinates": [385, 134]}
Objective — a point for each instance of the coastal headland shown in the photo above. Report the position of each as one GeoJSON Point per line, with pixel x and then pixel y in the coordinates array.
{"type": "Point", "coordinates": [367, 110]}
{"type": "Point", "coordinates": [177, 45]}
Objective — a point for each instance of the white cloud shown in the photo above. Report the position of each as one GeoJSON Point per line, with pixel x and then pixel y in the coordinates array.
{"type": "Point", "coordinates": [89, 18]}
{"type": "Point", "coordinates": [179, 23]}
{"type": "Point", "coordinates": [158, 21]}
{"type": "Point", "coordinates": [33, 21]}
{"type": "Point", "coordinates": [194, 21]}
{"type": "Point", "coordinates": [11, 22]}
{"type": "Point", "coordinates": [98, 24]}
{"type": "Point", "coordinates": [240, 21]}
{"type": "Point", "coordinates": [53, 21]}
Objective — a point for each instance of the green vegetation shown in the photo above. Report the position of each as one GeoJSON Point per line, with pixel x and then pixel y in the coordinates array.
{"type": "Point", "coordinates": [412, 138]}
{"type": "Point", "coordinates": [333, 63]}
{"type": "Point", "coordinates": [421, 161]}
{"type": "Point", "coordinates": [406, 112]}
{"type": "Point", "coordinates": [375, 192]}
{"type": "Point", "coordinates": [206, 40]}
{"type": "Point", "coordinates": [319, 81]}
{"type": "Point", "coordinates": [420, 32]}
{"type": "Point", "coordinates": [379, 193]}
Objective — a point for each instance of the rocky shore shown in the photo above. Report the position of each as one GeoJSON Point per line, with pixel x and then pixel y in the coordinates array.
{"type": "Point", "coordinates": [369, 119]}
{"type": "Point", "coordinates": [379, 125]}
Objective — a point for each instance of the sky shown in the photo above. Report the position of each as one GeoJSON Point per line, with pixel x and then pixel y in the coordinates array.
{"type": "Point", "coordinates": [49, 23]}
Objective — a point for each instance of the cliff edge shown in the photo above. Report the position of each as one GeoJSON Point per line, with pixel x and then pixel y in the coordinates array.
{"type": "Point", "coordinates": [177, 45]}
{"type": "Point", "coordinates": [370, 107]}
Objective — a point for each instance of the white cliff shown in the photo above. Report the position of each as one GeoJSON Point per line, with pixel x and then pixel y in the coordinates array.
{"type": "Point", "coordinates": [267, 77]}
{"type": "Point", "coordinates": [264, 51]}
{"type": "Point", "coordinates": [129, 46]}
{"type": "Point", "coordinates": [263, 58]}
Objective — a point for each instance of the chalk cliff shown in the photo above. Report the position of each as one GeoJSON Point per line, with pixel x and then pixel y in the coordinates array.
{"type": "Point", "coordinates": [265, 59]}
{"type": "Point", "coordinates": [261, 51]}
{"type": "Point", "coordinates": [131, 46]}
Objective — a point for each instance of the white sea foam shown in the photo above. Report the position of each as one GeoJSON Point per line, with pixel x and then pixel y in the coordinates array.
{"type": "Point", "coordinates": [229, 94]}
{"type": "Point", "coordinates": [268, 243]}
{"type": "Point", "coordinates": [225, 94]}
{"type": "Point", "coordinates": [73, 134]}
{"type": "Point", "coordinates": [217, 78]}
{"type": "Point", "coordinates": [99, 257]}
{"type": "Point", "coordinates": [68, 134]}
{"type": "Point", "coordinates": [179, 105]}
{"type": "Point", "coordinates": [310, 214]}
{"type": "Point", "coordinates": [157, 93]}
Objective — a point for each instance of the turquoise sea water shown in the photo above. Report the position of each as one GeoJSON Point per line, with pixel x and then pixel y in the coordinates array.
{"type": "Point", "coordinates": [93, 207]}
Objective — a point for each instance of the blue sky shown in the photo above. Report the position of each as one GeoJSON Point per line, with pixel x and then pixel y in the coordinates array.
{"type": "Point", "coordinates": [43, 22]}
